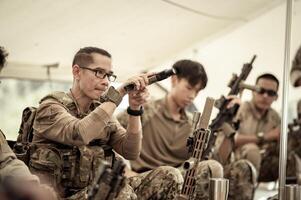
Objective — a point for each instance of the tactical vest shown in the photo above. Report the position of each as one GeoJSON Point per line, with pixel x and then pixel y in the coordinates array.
{"type": "Point", "coordinates": [24, 139]}
{"type": "Point", "coordinates": [66, 167]}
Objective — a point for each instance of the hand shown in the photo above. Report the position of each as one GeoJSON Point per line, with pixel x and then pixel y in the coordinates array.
{"type": "Point", "coordinates": [272, 135]}
{"type": "Point", "coordinates": [138, 98]}
{"type": "Point", "coordinates": [20, 189]}
{"type": "Point", "coordinates": [233, 101]}
{"type": "Point", "coordinates": [140, 81]}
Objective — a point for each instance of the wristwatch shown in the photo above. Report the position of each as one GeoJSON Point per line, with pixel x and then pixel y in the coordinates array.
{"type": "Point", "coordinates": [113, 96]}
{"type": "Point", "coordinates": [135, 112]}
{"type": "Point", "coordinates": [260, 137]}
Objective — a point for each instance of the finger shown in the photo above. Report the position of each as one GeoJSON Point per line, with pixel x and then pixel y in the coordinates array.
{"type": "Point", "coordinates": [144, 76]}
{"type": "Point", "coordinates": [231, 97]}
{"type": "Point", "coordinates": [142, 82]}
{"type": "Point", "coordinates": [137, 84]}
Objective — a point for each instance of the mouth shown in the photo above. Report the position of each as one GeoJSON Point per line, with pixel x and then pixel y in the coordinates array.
{"type": "Point", "coordinates": [101, 89]}
{"type": "Point", "coordinates": [187, 103]}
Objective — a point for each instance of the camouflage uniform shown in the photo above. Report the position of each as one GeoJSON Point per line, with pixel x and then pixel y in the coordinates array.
{"type": "Point", "coordinates": [10, 165]}
{"type": "Point", "coordinates": [164, 143]}
{"type": "Point", "coordinates": [68, 146]}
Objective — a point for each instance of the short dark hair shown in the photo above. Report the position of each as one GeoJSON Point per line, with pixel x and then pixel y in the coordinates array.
{"type": "Point", "coordinates": [297, 59]}
{"type": "Point", "coordinates": [192, 71]}
{"type": "Point", "coordinates": [269, 77]}
{"type": "Point", "coordinates": [83, 57]}
{"type": "Point", "coordinates": [3, 55]}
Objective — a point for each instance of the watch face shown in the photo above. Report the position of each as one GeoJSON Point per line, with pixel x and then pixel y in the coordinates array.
{"type": "Point", "coordinates": [260, 134]}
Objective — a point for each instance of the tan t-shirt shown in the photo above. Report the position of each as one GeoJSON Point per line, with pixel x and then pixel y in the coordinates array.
{"type": "Point", "coordinates": [65, 124]}
{"type": "Point", "coordinates": [251, 123]}
{"type": "Point", "coordinates": [164, 139]}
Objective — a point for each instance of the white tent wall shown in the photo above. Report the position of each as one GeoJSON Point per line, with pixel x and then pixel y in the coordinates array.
{"type": "Point", "coordinates": [222, 54]}
{"type": "Point", "coordinates": [225, 53]}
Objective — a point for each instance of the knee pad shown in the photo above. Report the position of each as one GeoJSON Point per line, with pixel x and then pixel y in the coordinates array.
{"type": "Point", "coordinates": [172, 173]}
{"type": "Point", "coordinates": [243, 179]}
{"type": "Point", "coordinates": [246, 168]}
{"type": "Point", "coordinates": [215, 169]}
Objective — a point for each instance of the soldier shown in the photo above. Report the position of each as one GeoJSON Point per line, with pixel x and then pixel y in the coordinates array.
{"type": "Point", "coordinates": [258, 134]}
{"type": "Point", "coordinates": [296, 76]}
{"type": "Point", "coordinates": [73, 132]}
{"type": "Point", "coordinates": [166, 127]}
{"type": "Point", "coordinates": [294, 142]}
{"type": "Point", "coordinates": [11, 167]}
{"type": "Point", "coordinates": [296, 69]}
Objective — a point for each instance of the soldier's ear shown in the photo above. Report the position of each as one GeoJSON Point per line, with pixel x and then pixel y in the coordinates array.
{"type": "Point", "coordinates": [76, 71]}
{"type": "Point", "coordinates": [174, 80]}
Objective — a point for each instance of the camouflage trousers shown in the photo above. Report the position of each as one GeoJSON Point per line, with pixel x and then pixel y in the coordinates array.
{"type": "Point", "coordinates": [206, 169]}
{"type": "Point", "coordinates": [161, 183]}
{"type": "Point", "coordinates": [242, 179]}
{"type": "Point", "coordinates": [266, 159]}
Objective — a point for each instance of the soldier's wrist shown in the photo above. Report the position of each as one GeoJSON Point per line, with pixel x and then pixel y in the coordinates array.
{"type": "Point", "coordinates": [113, 96]}
{"type": "Point", "coordinates": [260, 138]}
{"type": "Point", "coordinates": [135, 112]}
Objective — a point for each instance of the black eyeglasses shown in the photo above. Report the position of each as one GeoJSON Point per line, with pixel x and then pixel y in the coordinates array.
{"type": "Point", "coordinates": [270, 93]}
{"type": "Point", "coordinates": [101, 73]}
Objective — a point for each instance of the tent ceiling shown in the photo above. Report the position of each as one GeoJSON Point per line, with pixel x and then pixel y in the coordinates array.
{"type": "Point", "coordinates": [140, 34]}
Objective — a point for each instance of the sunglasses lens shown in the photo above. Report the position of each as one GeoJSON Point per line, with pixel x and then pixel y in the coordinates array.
{"type": "Point", "coordinates": [271, 93]}
{"type": "Point", "coordinates": [261, 91]}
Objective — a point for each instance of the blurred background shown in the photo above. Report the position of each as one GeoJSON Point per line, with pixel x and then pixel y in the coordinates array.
{"type": "Point", "coordinates": [42, 36]}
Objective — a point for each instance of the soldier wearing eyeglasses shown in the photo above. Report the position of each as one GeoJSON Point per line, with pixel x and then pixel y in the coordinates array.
{"type": "Point", "coordinates": [257, 139]}
{"type": "Point", "coordinates": [73, 132]}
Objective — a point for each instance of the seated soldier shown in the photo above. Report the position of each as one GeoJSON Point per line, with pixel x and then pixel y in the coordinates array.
{"type": "Point", "coordinates": [257, 138]}
{"type": "Point", "coordinates": [166, 127]}
{"type": "Point", "coordinates": [294, 142]}
{"type": "Point", "coordinates": [25, 184]}
{"type": "Point", "coordinates": [296, 76]}
{"type": "Point", "coordinates": [73, 132]}
{"type": "Point", "coordinates": [296, 69]}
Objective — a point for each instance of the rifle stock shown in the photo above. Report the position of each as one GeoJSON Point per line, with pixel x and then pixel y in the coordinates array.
{"type": "Point", "coordinates": [197, 142]}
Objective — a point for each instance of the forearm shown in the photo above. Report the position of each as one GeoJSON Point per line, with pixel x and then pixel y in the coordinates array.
{"type": "Point", "coordinates": [129, 144]}
{"type": "Point", "coordinates": [55, 123]}
{"type": "Point", "coordinates": [241, 139]}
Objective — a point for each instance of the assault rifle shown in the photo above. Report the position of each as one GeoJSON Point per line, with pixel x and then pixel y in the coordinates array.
{"type": "Point", "coordinates": [108, 182]}
{"type": "Point", "coordinates": [227, 114]}
{"type": "Point", "coordinates": [197, 143]}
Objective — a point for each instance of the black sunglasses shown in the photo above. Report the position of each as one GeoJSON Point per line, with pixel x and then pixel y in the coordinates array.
{"type": "Point", "coordinates": [101, 73]}
{"type": "Point", "coordinates": [270, 93]}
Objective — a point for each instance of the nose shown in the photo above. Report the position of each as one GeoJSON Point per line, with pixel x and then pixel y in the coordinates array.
{"type": "Point", "coordinates": [192, 94]}
{"type": "Point", "coordinates": [105, 81]}
{"type": "Point", "coordinates": [265, 95]}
